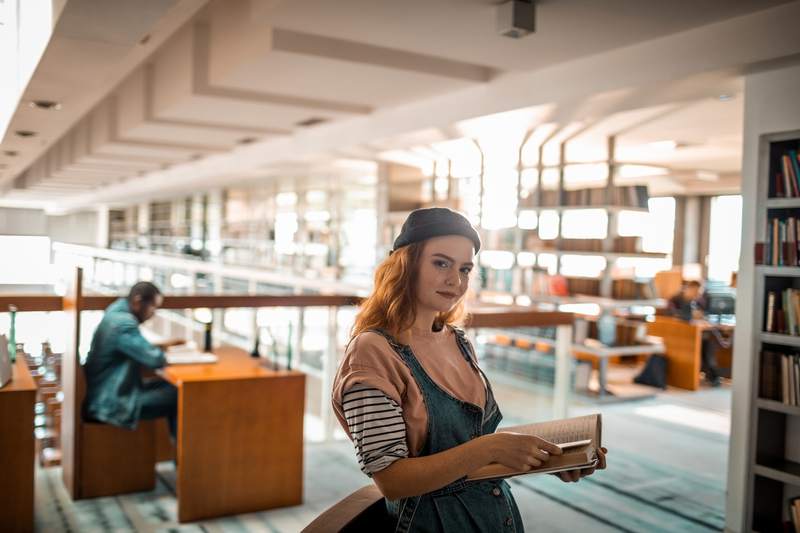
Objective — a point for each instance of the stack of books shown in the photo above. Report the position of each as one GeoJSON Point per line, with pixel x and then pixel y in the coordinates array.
{"type": "Point", "coordinates": [620, 196]}
{"type": "Point", "coordinates": [780, 377]}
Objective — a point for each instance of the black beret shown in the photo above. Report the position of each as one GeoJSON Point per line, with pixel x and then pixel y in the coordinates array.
{"type": "Point", "coordinates": [423, 224]}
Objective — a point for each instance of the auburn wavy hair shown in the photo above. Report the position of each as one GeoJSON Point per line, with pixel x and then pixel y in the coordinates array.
{"type": "Point", "coordinates": [392, 305]}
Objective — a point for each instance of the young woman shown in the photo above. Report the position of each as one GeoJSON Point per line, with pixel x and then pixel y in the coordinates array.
{"type": "Point", "coordinates": [409, 392]}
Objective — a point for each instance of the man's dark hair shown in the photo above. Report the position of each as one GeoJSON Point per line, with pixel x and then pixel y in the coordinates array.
{"type": "Point", "coordinates": [144, 289]}
{"type": "Point", "coordinates": [693, 283]}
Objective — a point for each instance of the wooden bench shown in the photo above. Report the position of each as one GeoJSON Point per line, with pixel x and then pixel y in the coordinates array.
{"type": "Point", "coordinates": [98, 459]}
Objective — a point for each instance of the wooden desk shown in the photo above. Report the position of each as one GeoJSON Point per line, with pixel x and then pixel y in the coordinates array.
{"type": "Point", "coordinates": [684, 348]}
{"type": "Point", "coordinates": [240, 436]}
{"type": "Point", "coordinates": [17, 452]}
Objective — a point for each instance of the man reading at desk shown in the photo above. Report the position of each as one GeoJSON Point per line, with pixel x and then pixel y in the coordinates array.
{"type": "Point", "coordinates": [116, 394]}
{"type": "Point", "coordinates": [689, 305]}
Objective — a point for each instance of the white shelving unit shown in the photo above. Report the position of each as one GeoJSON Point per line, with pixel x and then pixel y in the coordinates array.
{"type": "Point", "coordinates": [771, 477]}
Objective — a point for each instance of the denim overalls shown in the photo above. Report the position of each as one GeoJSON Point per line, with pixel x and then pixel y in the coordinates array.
{"type": "Point", "coordinates": [461, 506]}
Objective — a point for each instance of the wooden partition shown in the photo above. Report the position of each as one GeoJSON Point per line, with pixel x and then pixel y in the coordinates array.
{"type": "Point", "coordinates": [17, 399]}
{"type": "Point", "coordinates": [258, 457]}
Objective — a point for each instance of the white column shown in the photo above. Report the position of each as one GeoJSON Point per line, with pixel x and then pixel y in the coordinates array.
{"type": "Point", "coordinates": [101, 237]}
{"type": "Point", "coordinates": [329, 364]}
{"type": "Point", "coordinates": [561, 386]}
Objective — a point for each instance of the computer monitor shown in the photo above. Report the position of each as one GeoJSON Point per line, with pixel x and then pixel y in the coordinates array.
{"type": "Point", "coordinates": [720, 304]}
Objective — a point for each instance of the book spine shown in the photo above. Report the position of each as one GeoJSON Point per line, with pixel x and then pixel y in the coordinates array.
{"type": "Point", "coordinates": [793, 162]}
{"type": "Point", "coordinates": [770, 311]}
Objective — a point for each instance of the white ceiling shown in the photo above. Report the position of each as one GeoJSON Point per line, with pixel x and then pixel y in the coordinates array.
{"type": "Point", "coordinates": [162, 95]}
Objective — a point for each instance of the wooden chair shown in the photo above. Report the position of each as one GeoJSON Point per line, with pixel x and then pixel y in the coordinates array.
{"type": "Point", "coordinates": [363, 510]}
{"type": "Point", "coordinates": [98, 459]}
{"type": "Point", "coordinates": [667, 283]}
{"type": "Point", "coordinates": [683, 342]}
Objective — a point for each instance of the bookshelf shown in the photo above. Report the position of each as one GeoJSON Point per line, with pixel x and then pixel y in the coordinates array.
{"type": "Point", "coordinates": [773, 476]}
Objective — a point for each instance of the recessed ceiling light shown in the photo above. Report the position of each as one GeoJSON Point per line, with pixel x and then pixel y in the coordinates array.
{"type": "Point", "coordinates": [49, 105]}
{"type": "Point", "coordinates": [706, 175]}
{"type": "Point", "coordinates": [313, 121]}
{"type": "Point", "coordinates": [725, 97]}
{"type": "Point", "coordinates": [11, 153]}
{"type": "Point", "coordinates": [663, 145]}
{"type": "Point", "coordinates": [24, 133]}
{"type": "Point", "coordinates": [246, 140]}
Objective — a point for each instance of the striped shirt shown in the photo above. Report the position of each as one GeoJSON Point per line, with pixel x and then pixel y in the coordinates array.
{"type": "Point", "coordinates": [376, 426]}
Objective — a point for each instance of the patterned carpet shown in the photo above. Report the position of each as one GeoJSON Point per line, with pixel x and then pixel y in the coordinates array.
{"type": "Point", "coordinates": [666, 473]}
{"type": "Point", "coordinates": [631, 495]}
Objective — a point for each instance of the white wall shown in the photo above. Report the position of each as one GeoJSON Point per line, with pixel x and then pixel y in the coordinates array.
{"type": "Point", "coordinates": [772, 105]}
{"type": "Point", "coordinates": [22, 221]}
{"type": "Point", "coordinates": [76, 228]}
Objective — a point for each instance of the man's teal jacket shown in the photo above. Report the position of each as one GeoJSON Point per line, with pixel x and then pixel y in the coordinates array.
{"type": "Point", "coordinates": [113, 367]}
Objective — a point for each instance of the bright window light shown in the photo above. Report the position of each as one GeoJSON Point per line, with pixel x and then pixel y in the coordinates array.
{"type": "Point", "coordinates": [285, 199]}
{"type": "Point", "coordinates": [584, 224]}
{"type": "Point", "coordinates": [528, 219]}
{"type": "Point", "coordinates": [30, 260]}
{"type": "Point", "coordinates": [550, 178]}
{"type": "Point", "coordinates": [317, 216]}
{"type": "Point", "coordinates": [586, 174]}
{"type": "Point", "coordinates": [529, 179]}
{"type": "Point", "coordinates": [642, 267]}
{"type": "Point", "coordinates": [548, 262]}
{"type": "Point", "coordinates": [497, 259]}
{"type": "Point", "coordinates": [526, 259]}
{"type": "Point", "coordinates": [640, 171]}
{"type": "Point", "coordinates": [632, 223]}
{"type": "Point", "coordinates": [659, 229]}
{"type": "Point", "coordinates": [316, 196]}
{"type": "Point", "coordinates": [582, 265]}
{"type": "Point", "coordinates": [548, 224]}
{"type": "Point", "coordinates": [725, 235]}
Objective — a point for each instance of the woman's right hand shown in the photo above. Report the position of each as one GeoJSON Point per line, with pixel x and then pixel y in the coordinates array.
{"type": "Point", "coordinates": [519, 451]}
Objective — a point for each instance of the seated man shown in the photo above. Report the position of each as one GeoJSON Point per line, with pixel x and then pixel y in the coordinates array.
{"type": "Point", "coordinates": [116, 394]}
{"type": "Point", "coordinates": [689, 305]}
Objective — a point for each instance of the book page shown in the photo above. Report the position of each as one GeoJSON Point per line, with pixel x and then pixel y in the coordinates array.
{"type": "Point", "coordinates": [565, 430]}
{"type": "Point", "coordinates": [558, 432]}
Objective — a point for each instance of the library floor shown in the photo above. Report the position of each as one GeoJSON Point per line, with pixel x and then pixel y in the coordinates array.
{"type": "Point", "coordinates": [666, 472]}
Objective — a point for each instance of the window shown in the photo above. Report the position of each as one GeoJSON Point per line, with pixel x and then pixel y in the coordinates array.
{"type": "Point", "coordinates": [30, 262]}
{"type": "Point", "coordinates": [724, 239]}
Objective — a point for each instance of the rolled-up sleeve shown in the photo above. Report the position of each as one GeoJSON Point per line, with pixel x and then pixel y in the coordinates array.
{"type": "Point", "coordinates": [129, 340]}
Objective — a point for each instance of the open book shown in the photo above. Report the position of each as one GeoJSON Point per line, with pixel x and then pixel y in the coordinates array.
{"type": "Point", "coordinates": [578, 437]}
{"type": "Point", "coordinates": [187, 354]}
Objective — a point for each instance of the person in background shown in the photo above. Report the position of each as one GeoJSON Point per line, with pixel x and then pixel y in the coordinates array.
{"type": "Point", "coordinates": [689, 304]}
{"type": "Point", "coordinates": [409, 392]}
{"type": "Point", "coordinates": [116, 393]}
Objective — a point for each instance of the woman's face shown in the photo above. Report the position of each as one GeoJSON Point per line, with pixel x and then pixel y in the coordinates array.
{"type": "Point", "coordinates": [444, 270]}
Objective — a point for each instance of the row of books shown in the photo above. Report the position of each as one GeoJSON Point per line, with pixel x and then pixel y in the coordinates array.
{"type": "Point", "coordinates": [622, 196]}
{"type": "Point", "coordinates": [780, 377]}
{"type": "Point", "coordinates": [786, 179]}
{"type": "Point", "coordinates": [783, 312]}
{"type": "Point", "coordinates": [625, 245]}
{"type": "Point", "coordinates": [782, 247]}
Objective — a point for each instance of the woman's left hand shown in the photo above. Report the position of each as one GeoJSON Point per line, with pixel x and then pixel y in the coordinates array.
{"type": "Point", "coordinates": [571, 476]}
